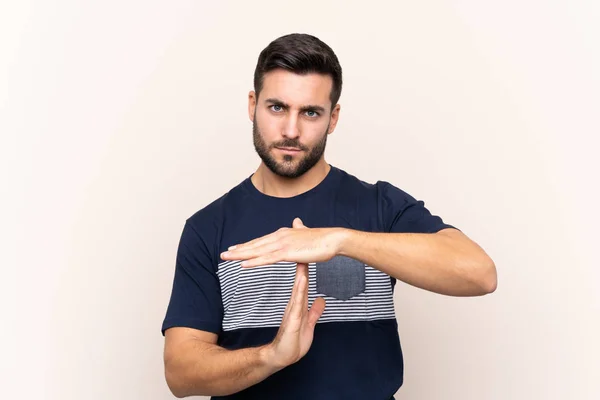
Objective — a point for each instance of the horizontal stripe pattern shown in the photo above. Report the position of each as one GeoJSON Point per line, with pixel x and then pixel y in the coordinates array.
{"type": "Point", "coordinates": [257, 297]}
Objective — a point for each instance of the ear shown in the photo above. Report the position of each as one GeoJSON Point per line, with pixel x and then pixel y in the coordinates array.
{"type": "Point", "coordinates": [251, 105]}
{"type": "Point", "coordinates": [335, 115]}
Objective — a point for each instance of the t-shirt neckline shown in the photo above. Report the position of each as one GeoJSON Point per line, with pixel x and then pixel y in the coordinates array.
{"type": "Point", "coordinates": [322, 186]}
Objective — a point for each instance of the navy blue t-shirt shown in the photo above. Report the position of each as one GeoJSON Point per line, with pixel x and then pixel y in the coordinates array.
{"type": "Point", "coordinates": [356, 352]}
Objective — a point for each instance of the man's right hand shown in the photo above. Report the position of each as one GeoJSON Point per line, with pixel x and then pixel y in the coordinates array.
{"type": "Point", "coordinates": [295, 335]}
{"type": "Point", "coordinates": [196, 366]}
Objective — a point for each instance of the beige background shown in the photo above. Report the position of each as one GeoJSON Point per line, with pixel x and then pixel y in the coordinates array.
{"type": "Point", "coordinates": [119, 119]}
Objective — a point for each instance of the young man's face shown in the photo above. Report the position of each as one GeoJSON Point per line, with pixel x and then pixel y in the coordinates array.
{"type": "Point", "coordinates": [291, 120]}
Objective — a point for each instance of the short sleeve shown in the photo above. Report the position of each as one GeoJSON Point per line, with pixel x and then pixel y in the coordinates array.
{"type": "Point", "coordinates": [196, 294]}
{"type": "Point", "coordinates": [402, 213]}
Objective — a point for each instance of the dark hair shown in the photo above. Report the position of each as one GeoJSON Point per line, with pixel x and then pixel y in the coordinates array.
{"type": "Point", "coordinates": [300, 53]}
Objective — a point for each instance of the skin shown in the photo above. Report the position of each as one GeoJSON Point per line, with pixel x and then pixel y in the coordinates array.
{"type": "Point", "coordinates": [292, 111]}
{"type": "Point", "coordinates": [295, 111]}
{"type": "Point", "coordinates": [446, 262]}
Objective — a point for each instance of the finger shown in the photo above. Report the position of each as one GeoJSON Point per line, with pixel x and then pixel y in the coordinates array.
{"type": "Point", "coordinates": [245, 254]}
{"type": "Point", "coordinates": [295, 315]}
{"type": "Point", "coordinates": [302, 271]}
{"type": "Point", "coordinates": [267, 259]}
{"type": "Point", "coordinates": [298, 224]}
{"type": "Point", "coordinates": [302, 291]}
{"type": "Point", "coordinates": [315, 312]}
{"type": "Point", "coordinates": [291, 300]}
{"type": "Point", "coordinates": [299, 307]}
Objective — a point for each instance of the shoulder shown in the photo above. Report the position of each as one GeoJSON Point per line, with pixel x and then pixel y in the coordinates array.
{"type": "Point", "coordinates": [209, 218]}
{"type": "Point", "coordinates": [351, 183]}
{"type": "Point", "coordinates": [380, 190]}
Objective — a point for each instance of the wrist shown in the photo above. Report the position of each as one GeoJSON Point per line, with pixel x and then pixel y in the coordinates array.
{"type": "Point", "coordinates": [343, 239]}
{"type": "Point", "coordinates": [268, 358]}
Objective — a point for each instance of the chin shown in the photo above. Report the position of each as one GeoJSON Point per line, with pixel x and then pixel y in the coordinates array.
{"type": "Point", "coordinates": [286, 169]}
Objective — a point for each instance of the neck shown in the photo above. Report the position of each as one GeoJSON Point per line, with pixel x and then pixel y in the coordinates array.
{"type": "Point", "coordinates": [274, 185]}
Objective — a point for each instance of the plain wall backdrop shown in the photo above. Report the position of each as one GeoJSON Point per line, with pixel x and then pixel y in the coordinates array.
{"type": "Point", "coordinates": [119, 119]}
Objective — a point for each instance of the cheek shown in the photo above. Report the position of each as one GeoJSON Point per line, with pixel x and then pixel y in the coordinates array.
{"type": "Point", "coordinates": [313, 131]}
{"type": "Point", "coordinates": [266, 118]}
{"type": "Point", "coordinates": [267, 123]}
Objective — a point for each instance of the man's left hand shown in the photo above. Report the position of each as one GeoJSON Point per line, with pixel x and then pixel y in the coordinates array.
{"type": "Point", "coordinates": [298, 244]}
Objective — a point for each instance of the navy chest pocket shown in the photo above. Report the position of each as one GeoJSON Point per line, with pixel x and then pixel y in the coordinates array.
{"type": "Point", "coordinates": [341, 277]}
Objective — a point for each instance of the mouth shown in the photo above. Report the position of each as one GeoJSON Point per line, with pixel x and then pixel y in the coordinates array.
{"type": "Point", "coordinates": [289, 150]}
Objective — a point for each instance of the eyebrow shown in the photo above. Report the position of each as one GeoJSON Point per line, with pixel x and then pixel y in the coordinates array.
{"type": "Point", "coordinates": [309, 107]}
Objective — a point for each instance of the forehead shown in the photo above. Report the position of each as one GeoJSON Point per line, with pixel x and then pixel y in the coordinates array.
{"type": "Point", "coordinates": [297, 90]}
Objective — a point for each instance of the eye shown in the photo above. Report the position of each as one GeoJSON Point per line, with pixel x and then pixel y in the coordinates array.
{"type": "Point", "coordinates": [312, 114]}
{"type": "Point", "coordinates": [276, 108]}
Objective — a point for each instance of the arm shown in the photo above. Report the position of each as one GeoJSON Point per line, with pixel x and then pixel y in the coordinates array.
{"type": "Point", "coordinates": [196, 365]}
{"type": "Point", "coordinates": [446, 262]}
{"type": "Point", "coordinates": [193, 363]}
{"type": "Point", "coordinates": [406, 248]}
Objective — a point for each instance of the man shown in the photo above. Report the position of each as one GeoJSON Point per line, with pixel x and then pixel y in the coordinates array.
{"type": "Point", "coordinates": [283, 287]}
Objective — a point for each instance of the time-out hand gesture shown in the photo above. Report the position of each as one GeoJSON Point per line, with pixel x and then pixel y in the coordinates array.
{"type": "Point", "coordinates": [295, 335]}
{"type": "Point", "coordinates": [297, 244]}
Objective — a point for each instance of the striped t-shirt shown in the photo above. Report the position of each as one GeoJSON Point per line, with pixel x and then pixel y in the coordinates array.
{"type": "Point", "coordinates": [356, 352]}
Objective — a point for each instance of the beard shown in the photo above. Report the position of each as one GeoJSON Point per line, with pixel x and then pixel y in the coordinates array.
{"type": "Point", "coordinates": [291, 166]}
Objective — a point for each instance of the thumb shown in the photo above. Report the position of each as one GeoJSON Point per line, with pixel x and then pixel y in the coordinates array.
{"type": "Point", "coordinates": [298, 223]}
{"type": "Point", "coordinates": [316, 311]}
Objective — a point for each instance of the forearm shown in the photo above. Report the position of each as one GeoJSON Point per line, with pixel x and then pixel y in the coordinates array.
{"type": "Point", "coordinates": [210, 370]}
{"type": "Point", "coordinates": [439, 262]}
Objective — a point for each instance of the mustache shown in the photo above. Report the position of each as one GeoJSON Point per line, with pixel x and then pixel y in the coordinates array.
{"type": "Point", "coordinates": [291, 143]}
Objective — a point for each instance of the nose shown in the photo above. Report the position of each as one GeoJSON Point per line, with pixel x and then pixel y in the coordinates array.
{"type": "Point", "coordinates": [291, 128]}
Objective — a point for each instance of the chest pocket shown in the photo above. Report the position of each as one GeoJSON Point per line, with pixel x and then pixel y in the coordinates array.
{"type": "Point", "coordinates": [341, 277]}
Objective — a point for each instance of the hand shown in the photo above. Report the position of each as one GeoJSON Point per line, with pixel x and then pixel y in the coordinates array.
{"type": "Point", "coordinates": [295, 335]}
{"type": "Point", "coordinates": [297, 244]}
